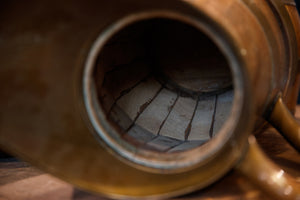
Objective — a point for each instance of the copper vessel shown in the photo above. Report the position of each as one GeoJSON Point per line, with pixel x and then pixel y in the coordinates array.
{"type": "Point", "coordinates": [149, 99]}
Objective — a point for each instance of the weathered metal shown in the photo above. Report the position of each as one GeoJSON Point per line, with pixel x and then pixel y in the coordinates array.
{"type": "Point", "coordinates": [49, 104]}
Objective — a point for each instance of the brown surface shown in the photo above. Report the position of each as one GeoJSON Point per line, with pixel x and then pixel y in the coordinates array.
{"type": "Point", "coordinates": [31, 91]}
{"type": "Point", "coordinates": [18, 180]}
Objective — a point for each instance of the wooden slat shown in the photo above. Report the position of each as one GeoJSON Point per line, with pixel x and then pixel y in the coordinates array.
{"type": "Point", "coordinates": [162, 143]}
{"type": "Point", "coordinates": [187, 145]}
{"type": "Point", "coordinates": [179, 119]}
{"type": "Point", "coordinates": [120, 117]}
{"type": "Point", "coordinates": [120, 80]}
{"type": "Point", "coordinates": [139, 97]}
{"type": "Point", "coordinates": [223, 109]}
{"type": "Point", "coordinates": [106, 100]}
{"type": "Point", "coordinates": [202, 120]}
{"type": "Point", "coordinates": [153, 116]}
{"type": "Point", "coordinates": [139, 134]}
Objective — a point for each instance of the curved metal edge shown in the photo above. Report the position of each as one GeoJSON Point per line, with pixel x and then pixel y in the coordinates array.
{"type": "Point", "coordinates": [256, 166]}
{"type": "Point", "coordinates": [285, 123]}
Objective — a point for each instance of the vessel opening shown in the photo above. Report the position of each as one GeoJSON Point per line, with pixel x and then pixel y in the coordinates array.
{"type": "Point", "coordinates": [162, 85]}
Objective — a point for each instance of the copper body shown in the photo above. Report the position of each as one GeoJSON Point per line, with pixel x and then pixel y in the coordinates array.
{"type": "Point", "coordinates": [47, 48]}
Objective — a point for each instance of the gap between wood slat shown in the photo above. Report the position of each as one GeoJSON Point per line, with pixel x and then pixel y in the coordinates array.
{"type": "Point", "coordinates": [213, 118]}
{"type": "Point", "coordinates": [138, 134]}
{"type": "Point", "coordinates": [189, 127]}
{"type": "Point", "coordinates": [156, 112]}
{"type": "Point", "coordinates": [170, 110]}
{"type": "Point", "coordinates": [135, 100]}
{"type": "Point", "coordinates": [178, 120]}
{"type": "Point", "coordinates": [120, 81]}
{"type": "Point", "coordinates": [223, 110]}
{"type": "Point", "coordinates": [144, 106]}
{"type": "Point", "coordinates": [201, 124]}
{"type": "Point", "coordinates": [126, 91]}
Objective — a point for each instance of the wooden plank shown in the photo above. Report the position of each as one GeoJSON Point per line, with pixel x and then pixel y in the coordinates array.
{"type": "Point", "coordinates": [106, 100]}
{"type": "Point", "coordinates": [203, 118]}
{"type": "Point", "coordinates": [139, 134]}
{"type": "Point", "coordinates": [120, 80]}
{"type": "Point", "coordinates": [187, 145]}
{"type": "Point", "coordinates": [223, 110]}
{"type": "Point", "coordinates": [135, 101]}
{"type": "Point", "coordinates": [118, 116]}
{"type": "Point", "coordinates": [162, 143]}
{"type": "Point", "coordinates": [153, 116]}
{"type": "Point", "coordinates": [177, 123]}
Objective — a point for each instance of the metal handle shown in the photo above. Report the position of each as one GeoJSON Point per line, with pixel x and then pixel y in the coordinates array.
{"type": "Point", "coordinates": [285, 123]}
{"type": "Point", "coordinates": [257, 167]}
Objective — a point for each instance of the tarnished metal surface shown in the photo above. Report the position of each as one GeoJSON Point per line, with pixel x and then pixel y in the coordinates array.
{"type": "Point", "coordinates": [45, 51]}
{"type": "Point", "coordinates": [258, 168]}
{"type": "Point", "coordinates": [282, 119]}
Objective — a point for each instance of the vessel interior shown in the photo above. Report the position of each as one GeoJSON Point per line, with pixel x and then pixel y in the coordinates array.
{"type": "Point", "coordinates": [164, 85]}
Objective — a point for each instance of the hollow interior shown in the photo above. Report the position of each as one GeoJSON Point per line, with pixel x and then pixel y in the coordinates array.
{"type": "Point", "coordinates": [164, 85]}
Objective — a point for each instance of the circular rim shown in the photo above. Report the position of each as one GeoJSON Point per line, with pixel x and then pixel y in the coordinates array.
{"type": "Point", "coordinates": [151, 161]}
